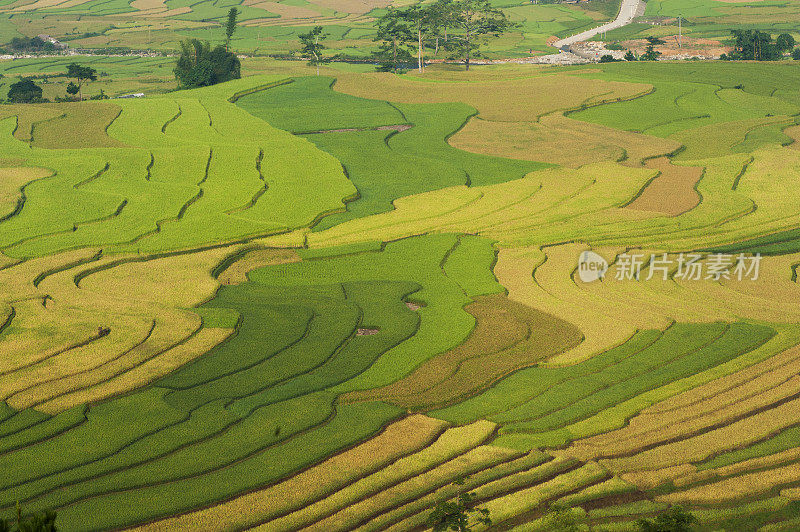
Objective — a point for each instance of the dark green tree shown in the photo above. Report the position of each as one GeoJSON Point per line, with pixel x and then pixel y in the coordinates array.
{"type": "Point", "coordinates": [629, 56]}
{"type": "Point", "coordinates": [784, 43]}
{"type": "Point", "coordinates": [81, 74]}
{"type": "Point", "coordinates": [441, 16]}
{"type": "Point", "coordinates": [393, 36]}
{"type": "Point", "coordinates": [230, 27]}
{"type": "Point", "coordinates": [650, 53]}
{"type": "Point", "coordinates": [457, 514]}
{"type": "Point", "coordinates": [72, 89]}
{"type": "Point", "coordinates": [24, 91]}
{"type": "Point", "coordinates": [44, 521]}
{"type": "Point", "coordinates": [475, 21]}
{"type": "Point", "coordinates": [419, 19]}
{"type": "Point", "coordinates": [199, 65]}
{"type": "Point", "coordinates": [312, 47]}
{"type": "Point", "coordinates": [675, 519]}
{"type": "Point", "coordinates": [796, 54]}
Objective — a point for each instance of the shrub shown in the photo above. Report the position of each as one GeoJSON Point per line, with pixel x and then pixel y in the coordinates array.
{"type": "Point", "coordinates": [796, 54]}
{"type": "Point", "coordinates": [456, 515]}
{"type": "Point", "coordinates": [607, 58]}
{"type": "Point", "coordinates": [676, 519]}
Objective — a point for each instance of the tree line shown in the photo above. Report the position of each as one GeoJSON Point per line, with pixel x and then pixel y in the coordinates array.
{"type": "Point", "coordinates": [755, 45]}
{"type": "Point", "coordinates": [456, 27]}
{"type": "Point", "coordinates": [27, 91]}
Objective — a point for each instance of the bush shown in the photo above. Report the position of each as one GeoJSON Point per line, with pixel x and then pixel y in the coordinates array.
{"type": "Point", "coordinates": [24, 91]}
{"type": "Point", "coordinates": [796, 54]}
{"type": "Point", "coordinates": [607, 58]}
{"type": "Point", "coordinates": [676, 519]}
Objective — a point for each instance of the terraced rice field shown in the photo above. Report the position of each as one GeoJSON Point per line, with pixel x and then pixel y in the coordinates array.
{"type": "Point", "coordinates": [298, 302]}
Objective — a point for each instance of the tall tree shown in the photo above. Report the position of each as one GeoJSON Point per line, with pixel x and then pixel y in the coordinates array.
{"type": "Point", "coordinates": [230, 27]}
{"type": "Point", "coordinates": [475, 20]}
{"type": "Point", "coordinates": [651, 54]}
{"type": "Point", "coordinates": [312, 48]}
{"type": "Point", "coordinates": [441, 15]}
{"type": "Point", "coordinates": [394, 36]}
{"type": "Point", "coordinates": [753, 45]}
{"type": "Point", "coordinates": [81, 74]}
{"type": "Point", "coordinates": [419, 18]}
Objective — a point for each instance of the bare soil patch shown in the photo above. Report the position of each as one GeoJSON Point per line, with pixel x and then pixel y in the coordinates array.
{"type": "Point", "coordinates": [672, 192]}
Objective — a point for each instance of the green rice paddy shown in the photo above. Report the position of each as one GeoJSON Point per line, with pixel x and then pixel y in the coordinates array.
{"type": "Point", "coordinates": [272, 304]}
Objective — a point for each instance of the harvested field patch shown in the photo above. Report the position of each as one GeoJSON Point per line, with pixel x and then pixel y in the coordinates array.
{"type": "Point", "coordinates": [672, 192]}
{"type": "Point", "coordinates": [284, 10]}
{"type": "Point", "coordinates": [356, 7]}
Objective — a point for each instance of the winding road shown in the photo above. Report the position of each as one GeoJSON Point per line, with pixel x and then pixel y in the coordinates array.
{"type": "Point", "coordinates": [627, 11]}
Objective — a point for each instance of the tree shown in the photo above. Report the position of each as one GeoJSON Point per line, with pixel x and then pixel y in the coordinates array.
{"type": "Point", "coordinates": [72, 89]}
{"type": "Point", "coordinates": [230, 27]}
{"type": "Point", "coordinates": [44, 521]}
{"type": "Point", "coordinates": [24, 91]}
{"type": "Point", "coordinates": [753, 45]}
{"type": "Point", "coordinates": [312, 48]}
{"type": "Point", "coordinates": [676, 519]}
{"type": "Point", "coordinates": [651, 54]}
{"type": "Point", "coordinates": [419, 18]}
{"type": "Point", "coordinates": [394, 36]}
{"type": "Point", "coordinates": [784, 43]}
{"type": "Point", "coordinates": [475, 21]}
{"type": "Point", "coordinates": [200, 66]}
{"type": "Point", "coordinates": [441, 16]}
{"type": "Point", "coordinates": [82, 74]}
{"type": "Point", "coordinates": [456, 515]}
{"type": "Point", "coordinates": [796, 54]}
{"type": "Point", "coordinates": [629, 56]}
{"type": "Point", "coordinates": [32, 44]}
